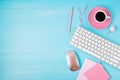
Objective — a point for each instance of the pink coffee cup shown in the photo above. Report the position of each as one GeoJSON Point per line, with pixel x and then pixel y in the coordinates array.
{"type": "Point", "coordinates": [99, 17]}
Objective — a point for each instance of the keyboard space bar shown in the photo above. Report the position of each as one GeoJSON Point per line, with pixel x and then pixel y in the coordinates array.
{"type": "Point", "coordinates": [91, 53]}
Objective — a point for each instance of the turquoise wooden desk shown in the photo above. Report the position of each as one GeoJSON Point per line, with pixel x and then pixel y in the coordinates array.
{"type": "Point", "coordinates": [34, 38]}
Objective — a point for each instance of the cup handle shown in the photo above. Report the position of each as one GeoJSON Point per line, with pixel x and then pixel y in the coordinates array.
{"type": "Point", "coordinates": [108, 17]}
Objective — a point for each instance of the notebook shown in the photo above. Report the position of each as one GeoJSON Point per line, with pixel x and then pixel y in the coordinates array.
{"type": "Point", "coordinates": [86, 66]}
{"type": "Point", "coordinates": [97, 72]}
{"type": "Point", "coordinates": [92, 71]}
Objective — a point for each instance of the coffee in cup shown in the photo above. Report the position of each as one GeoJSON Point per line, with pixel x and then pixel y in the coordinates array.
{"type": "Point", "coordinates": [101, 16]}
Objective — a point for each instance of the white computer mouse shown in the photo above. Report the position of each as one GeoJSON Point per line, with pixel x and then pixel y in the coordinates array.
{"type": "Point", "coordinates": [72, 60]}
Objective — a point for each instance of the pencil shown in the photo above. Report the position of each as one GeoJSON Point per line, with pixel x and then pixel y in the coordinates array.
{"type": "Point", "coordinates": [70, 21]}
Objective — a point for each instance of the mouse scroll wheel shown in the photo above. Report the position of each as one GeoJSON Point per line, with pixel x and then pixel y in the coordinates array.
{"type": "Point", "coordinates": [70, 54]}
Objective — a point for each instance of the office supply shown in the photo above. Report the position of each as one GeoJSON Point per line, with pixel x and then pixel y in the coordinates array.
{"type": "Point", "coordinates": [72, 61]}
{"type": "Point", "coordinates": [96, 46]}
{"type": "Point", "coordinates": [80, 11]}
{"type": "Point", "coordinates": [81, 20]}
{"type": "Point", "coordinates": [85, 9]}
{"type": "Point", "coordinates": [112, 29]}
{"type": "Point", "coordinates": [97, 72]}
{"type": "Point", "coordinates": [70, 21]}
{"type": "Point", "coordinates": [88, 64]}
{"type": "Point", "coordinates": [99, 17]}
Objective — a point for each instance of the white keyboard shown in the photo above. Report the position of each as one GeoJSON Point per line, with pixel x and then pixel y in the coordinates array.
{"type": "Point", "coordinates": [96, 46]}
